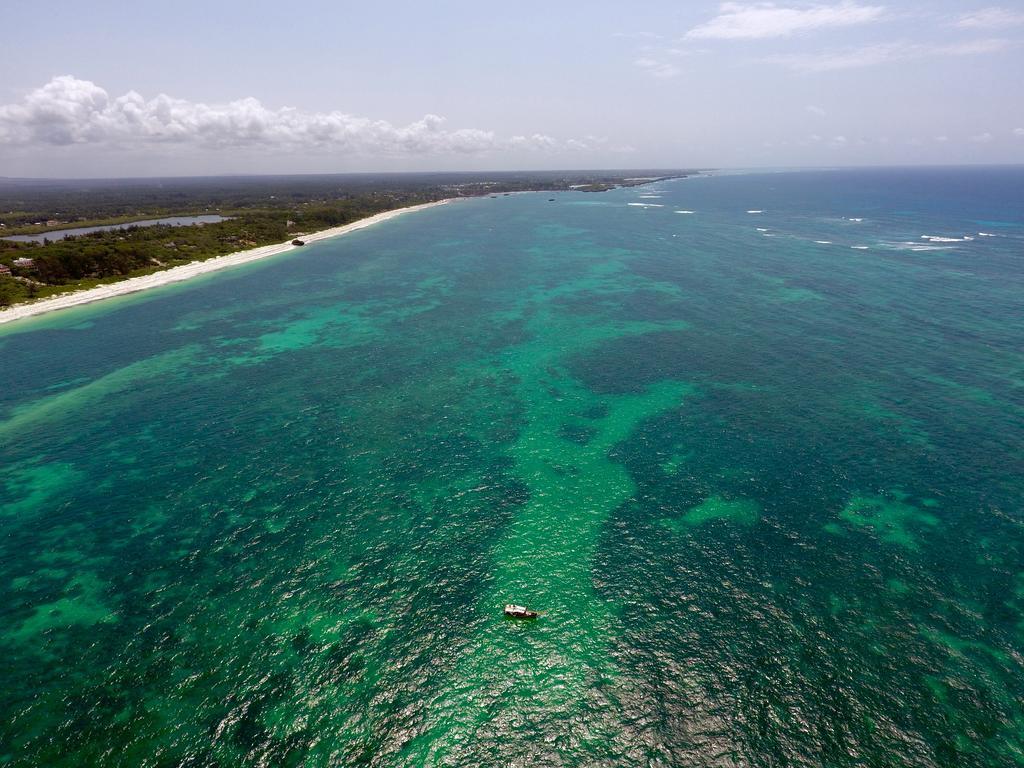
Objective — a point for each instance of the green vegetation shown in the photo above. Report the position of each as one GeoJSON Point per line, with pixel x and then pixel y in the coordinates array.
{"type": "Point", "coordinates": [262, 211]}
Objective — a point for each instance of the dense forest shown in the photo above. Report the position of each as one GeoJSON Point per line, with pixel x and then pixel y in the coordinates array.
{"type": "Point", "coordinates": [260, 211]}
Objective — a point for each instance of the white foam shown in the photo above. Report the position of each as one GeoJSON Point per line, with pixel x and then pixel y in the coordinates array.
{"type": "Point", "coordinates": [761, 229]}
{"type": "Point", "coordinates": [646, 205]}
{"type": "Point", "coordinates": [684, 211]}
{"type": "Point", "coordinates": [755, 211]}
{"type": "Point", "coordinates": [851, 218]}
{"type": "Point", "coordinates": [916, 245]}
{"type": "Point", "coordinates": [823, 242]}
{"type": "Point", "coordinates": [649, 195]}
{"type": "Point", "coordinates": [986, 234]}
{"type": "Point", "coordinates": [859, 247]}
{"type": "Point", "coordinates": [938, 239]}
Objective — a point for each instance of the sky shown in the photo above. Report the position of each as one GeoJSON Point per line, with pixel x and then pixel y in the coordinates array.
{"type": "Point", "coordinates": [111, 89]}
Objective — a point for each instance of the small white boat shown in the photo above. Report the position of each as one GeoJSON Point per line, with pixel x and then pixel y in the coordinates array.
{"type": "Point", "coordinates": [519, 612]}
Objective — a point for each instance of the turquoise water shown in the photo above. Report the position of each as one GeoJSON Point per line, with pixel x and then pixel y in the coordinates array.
{"type": "Point", "coordinates": [768, 490]}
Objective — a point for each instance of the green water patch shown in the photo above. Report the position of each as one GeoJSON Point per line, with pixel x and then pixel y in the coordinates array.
{"type": "Point", "coordinates": [983, 671]}
{"type": "Point", "coordinates": [514, 676]}
{"type": "Point", "coordinates": [203, 318]}
{"type": "Point", "coordinates": [996, 399]}
{"type": "Point", "coordinates": [909, 428]}
{"type": "Point", "coordinates": [546, 671]}
{"type": "Point", "coordinates": [713, 508]}
{"type": "Point", "coordinates": [782, 292]}
{"type": "Point", "coordinates": [964, 648]}
{"type": "Point", "coordinates": [34, 489]}
{"type": "Point", "coordinates": [96, 397]}
{"type": "Point", "coordinates": [897, 586]}
{"type": "Point", "coordinates": [336, 325]}
{"type": "Point", "coordinates": [61, 385]}
{"type": "Point", "coordinates": [675, 462]}
{"type": "Point", "coordinates": [1017, 601]}
{"type": "Point", "coordinates": [891, 518]}
{"type": "Point", "coordinates": [83, 604]}
{"type": "Point", "coordinates": [790, 294]}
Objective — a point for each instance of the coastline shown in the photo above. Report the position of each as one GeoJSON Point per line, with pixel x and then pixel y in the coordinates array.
{"type": "Point", "coordinates": [186, 271]}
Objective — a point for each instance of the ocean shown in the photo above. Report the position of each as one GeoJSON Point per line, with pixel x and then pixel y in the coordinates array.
{"type": "Point", "coordinates": [753, 443]}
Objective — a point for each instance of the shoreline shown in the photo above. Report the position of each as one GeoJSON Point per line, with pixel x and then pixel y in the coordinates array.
{"type": "Point", "coordinates": [193, 269]}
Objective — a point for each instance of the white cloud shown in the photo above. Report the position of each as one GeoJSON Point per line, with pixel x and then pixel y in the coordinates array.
{"type": "Point", "coordinates": [638, 35]}
{"type": "Point", "coordinates": [590, 143]}
{"type": "Point", "coordinates": [941, 139]}
{"type": "Point", "coordinates": [990, 18]}
{"type": "Point", "coordinates": [748, 21]}
{"type": "Point", "coordinates": [883, 53]}
{"type": "Point", "coordinates": [685, 51]}
{"type": "Point", "coordinates": [69, 111]}
{"type": "Point", "coordinates": [657, 68]}
{"type": "Point", "coordinates": [537, 141]}
{"type": "Point", "coordinates": [982, 138]}
{"type": "Point", "coordinates": [816, 111]}
{"type": "Point", "coordinates": [1018, 131]}
{"type": "Point", "coordinates": [543, 143]}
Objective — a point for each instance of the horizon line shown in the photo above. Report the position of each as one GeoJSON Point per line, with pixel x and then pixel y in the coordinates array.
{"type": "Point", "coordinates": [662, 171]}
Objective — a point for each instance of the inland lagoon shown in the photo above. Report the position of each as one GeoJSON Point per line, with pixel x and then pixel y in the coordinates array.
{"type": "Point", "coordinates": [170, 221]}
{"type": "Point", "coordinates": [752, 443]}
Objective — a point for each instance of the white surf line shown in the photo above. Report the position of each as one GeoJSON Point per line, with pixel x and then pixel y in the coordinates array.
{"type": "Point", "coordinates": [941, 239]}
{"type": "Point", "coordinates": [186, 271]}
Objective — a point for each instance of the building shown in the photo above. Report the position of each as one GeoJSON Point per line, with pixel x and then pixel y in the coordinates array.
{"type": "Point", "coordinates": [24, 262]}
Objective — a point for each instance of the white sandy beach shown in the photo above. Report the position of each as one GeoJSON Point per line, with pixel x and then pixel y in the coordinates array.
{"type": "Point", "coordinates": [185, 271]}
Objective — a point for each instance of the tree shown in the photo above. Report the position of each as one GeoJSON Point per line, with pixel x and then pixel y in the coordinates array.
{"type": "Point", "coordinates": [8, 291]}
